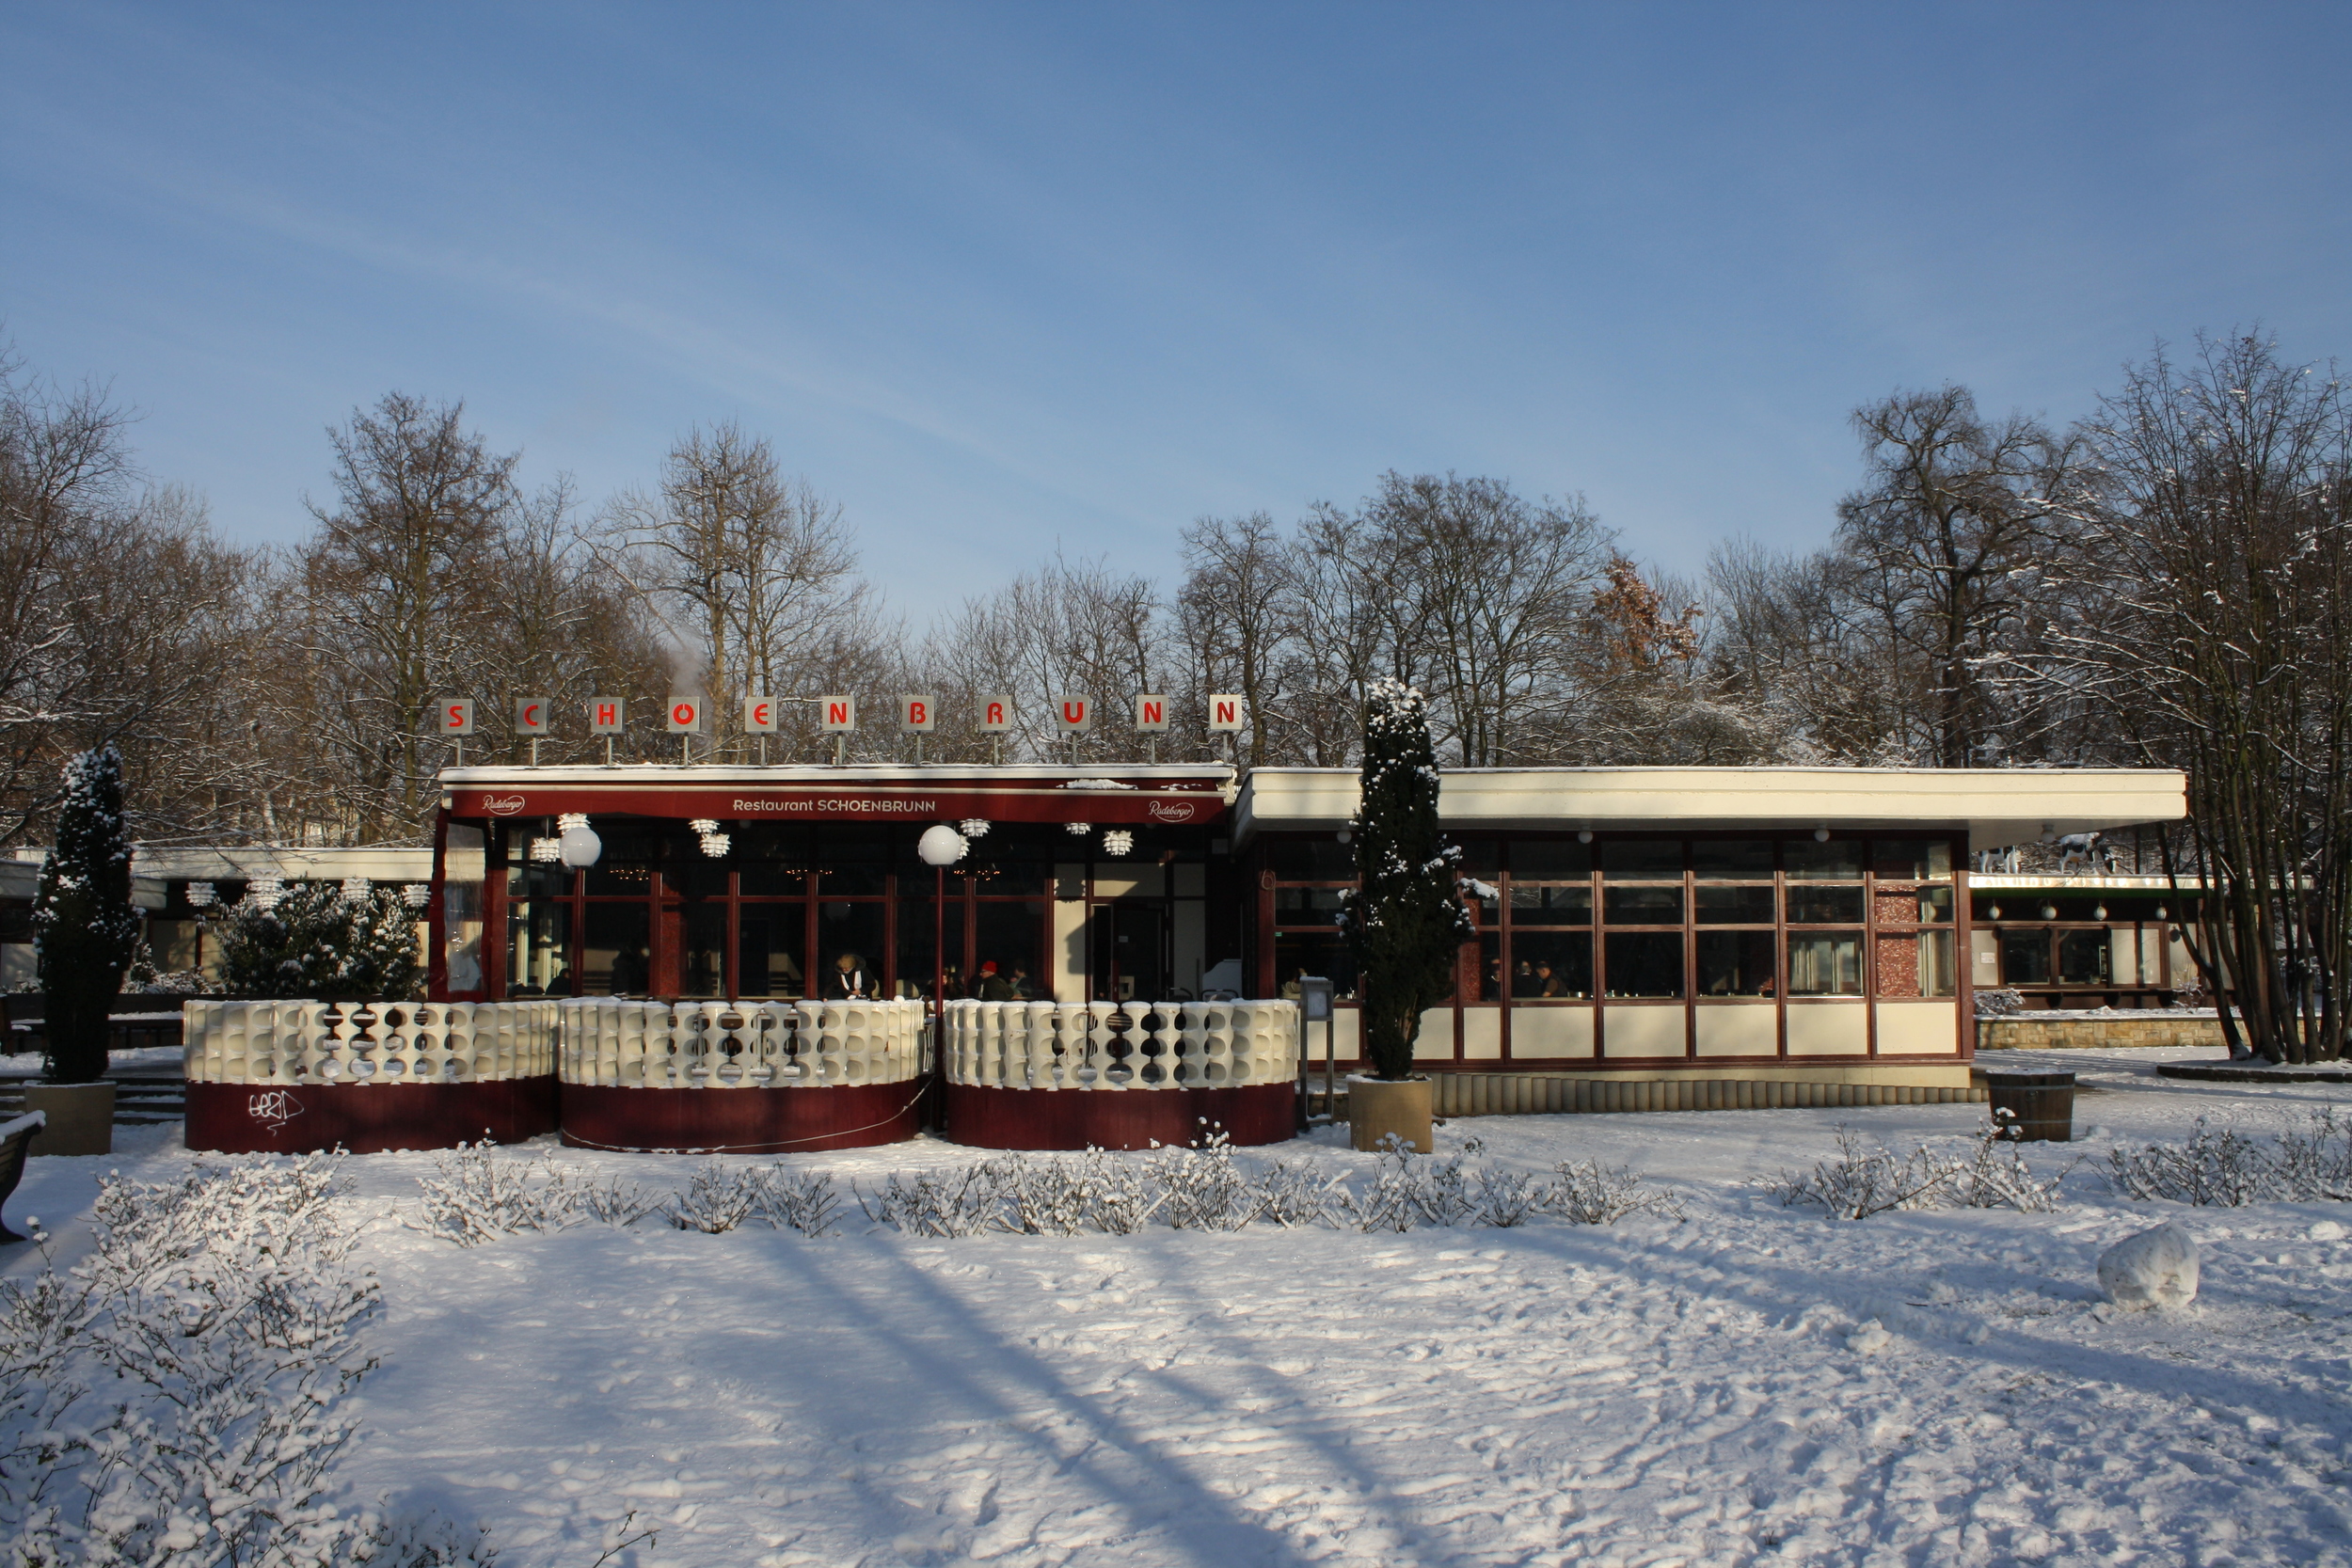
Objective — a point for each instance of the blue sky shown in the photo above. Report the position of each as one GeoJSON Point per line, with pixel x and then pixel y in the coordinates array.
{"type": "Point", "coordinates": [999, 278]}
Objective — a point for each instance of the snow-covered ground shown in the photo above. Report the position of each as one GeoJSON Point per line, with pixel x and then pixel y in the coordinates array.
{"type": "Point", "coordinates": [1653, 1393]}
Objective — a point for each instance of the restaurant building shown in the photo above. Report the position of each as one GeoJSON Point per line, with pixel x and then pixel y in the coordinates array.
{"type": "Point", "coordinates": [1629, 920]}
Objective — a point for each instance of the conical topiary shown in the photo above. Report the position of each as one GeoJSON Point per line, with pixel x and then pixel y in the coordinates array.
{"type": "Point", "coordinates": [84, 928]}
{"type": "Point", "coordinates": [1405, 922]}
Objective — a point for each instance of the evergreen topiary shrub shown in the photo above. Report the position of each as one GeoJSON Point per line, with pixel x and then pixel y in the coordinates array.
{"type": "Point", "coordinates": [315, 941]}
{"type": "Point", "coordinates": [84, 928]}
{"type": "Point", "coordinates": [1405, 922]}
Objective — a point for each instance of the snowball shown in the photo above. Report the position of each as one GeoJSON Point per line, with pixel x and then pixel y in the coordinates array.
{"type": "Point", "coordinates": [2325, 1230]}
{"type": "Point", "coordinates": [1868, 1338]}
{"type": "Point", "coordinates": [2155, 1268]}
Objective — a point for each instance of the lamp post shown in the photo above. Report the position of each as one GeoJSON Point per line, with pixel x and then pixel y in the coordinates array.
{"type": "Point", "coordinates": [941, 847]}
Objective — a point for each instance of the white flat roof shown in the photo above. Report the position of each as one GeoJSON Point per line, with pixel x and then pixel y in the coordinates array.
{"type": "Point", "coordinates": [1995, 805]}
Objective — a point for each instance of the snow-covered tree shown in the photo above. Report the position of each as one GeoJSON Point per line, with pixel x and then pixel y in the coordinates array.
{"type": "Point", "coordinates": [1405, 922]}
{"type": "Point", "coordinates": [317, 941]}
{"type": "Point", "coordinates": [84, 928]}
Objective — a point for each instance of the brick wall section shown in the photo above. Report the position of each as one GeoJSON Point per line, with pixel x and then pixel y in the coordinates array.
{"type": "Point", "coordinates": [2122, 1030]}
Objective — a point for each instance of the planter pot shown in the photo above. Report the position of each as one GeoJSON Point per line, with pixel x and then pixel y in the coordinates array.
{"type": "Point", "coordinates": [81, 1118]}
{"type": "Point", "coordinates": [1378, 1107]}
{"type": "Point", "coordinates": [2043, 1103]}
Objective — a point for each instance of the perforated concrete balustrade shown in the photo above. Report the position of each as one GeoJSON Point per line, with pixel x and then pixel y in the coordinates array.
{"type": "Point", "coordinates": [1109, 1045]}
{"type": "Point", "coordinates": [368, 1043]}
{"type": "Point", "coordinates": [741, 1045]}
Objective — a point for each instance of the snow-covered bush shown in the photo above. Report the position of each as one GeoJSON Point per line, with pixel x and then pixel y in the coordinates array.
{"type": "Point", "coordinates": [716, 1199]}
{"type": "Point", "coordinates": [2227, 1169]}
{"type": "Point", "coordinates": [1587, 1193]}
{"type": "Point", "coordinates": [1865, 1180]}
{"type": "Point", "coordinates": [1199, 1187]}
{"type": "Point", "coordinates": [1999, 1004]}
{"type": "Point", "coordinates": [805, 1202]}
{"type": "Point", "coordinates": [1295, 1195]}
{"type": "Point", "coordinates": [476, 1195]}
{"type": "Point", "coordinates": [317, 941]}
{"type": "Point", "coordinates": [1071, 1197]}
{"type": "Point", "coordinates": [963, 1204]}
{"type": "Point", "coordinates": [1997, 1176]}
{"type": "Point", "coordinates": [221, 1314]}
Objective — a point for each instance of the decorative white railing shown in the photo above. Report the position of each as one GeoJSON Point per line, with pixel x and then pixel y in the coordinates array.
{"type": "Point", "coordinates": [741, 1045]}
{"type": "Point", "coordinates": [1111, 1045]}
{"type": "Point", "coordinates": [367, 1042]}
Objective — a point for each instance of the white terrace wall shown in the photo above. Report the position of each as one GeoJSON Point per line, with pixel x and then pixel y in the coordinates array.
{"type": "Point", "coordinates": [319, 1043]}
{"type": "Point", "coordinates": [1110, 1045]}
{"type": "Point", "coordinates": [749, 1045]}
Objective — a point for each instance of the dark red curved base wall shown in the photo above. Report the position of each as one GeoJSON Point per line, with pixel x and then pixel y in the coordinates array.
{"type": "Point", "coordinates": [366, 1118]}
{"type": "Point", "coordinates": [740, 1121]}
{"type": "Point", "coordinates": [1117, 1119]}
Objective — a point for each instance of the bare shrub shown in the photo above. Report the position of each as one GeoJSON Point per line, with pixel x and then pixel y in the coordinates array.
{"type": "Point", "coordinates": [478, 1195]}
{"type": "Point", "coordinates": [1865, 1180]}
{"type": "Point", "coordinates": [1586, 1192]}
{"type": "Point", "coordinates": [962, 1204]}
{"type": "Point", "coordinates": [1292, 1194]}
{"type": "Point", "coordinates": [806, 1201]}
{"type": "Point", "coordinates": [716, 1199]}
{"type": "Point", "coordinates": [1199, 1187]}
{"type": "Point", "coordinates": [1997, 1176]}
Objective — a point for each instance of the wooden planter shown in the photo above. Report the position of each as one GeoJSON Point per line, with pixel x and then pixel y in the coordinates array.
{"type": "Point", "coordinates": [81, 1116]}
{"type": "Point", "coordinates": [1378, 1107]}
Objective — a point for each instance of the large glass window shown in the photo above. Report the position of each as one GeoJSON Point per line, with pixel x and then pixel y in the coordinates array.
{"type": "Point", "coordinates": [1732, 859]}
{"type": "Point", "coordinates": [1550, 860]}
{"type": "Point", "coordinates": [1316, 953]}
{"type": "Point", "coordinates": [2025, 958]}
{"type": "Point", "coordinates": [1006, 950]}
{"type": "Point", "coordinates": [1733, 906]}
{"type": "Point", "coordinates": [771, 943]}
{"type": "Point", "coordinates": [1643, 905]}
{"type": "Point", "coordinates": [1644, 963]}
{"type": "Point", "coordinates": [1641, 860]}
{"type": "Point", "coordinates": [1539, 905]}
{"type": "Point", "coordinates": [1551, 965]}
{"type": "Point", "coordinates": [1810, 861]}
{"type": "Point", "coordinates": [848, 948]}
{"type": "Point", "coordinates": [1737, 963]}
{"type": "Point", "coordinates": [1912, 860]}
{"type": "Point", "coordinates": [1307, 906]}
{"type": "Point", "coordinates": [1810, 904]}
{"type": "Point", "coordinates": [702, 954]}
{"type": "Point", "coordinates": [2083, 958]}
{"type": "Point", "coordinates": [1825, 963]}
{"type": "Point", "coordinates": [616, 951]}
{"type": "Point", "coordinates": [539, 948]}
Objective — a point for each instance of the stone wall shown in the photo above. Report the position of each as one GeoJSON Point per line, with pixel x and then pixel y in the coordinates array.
{"type": "Point", "coordinates": [2054, 1030]}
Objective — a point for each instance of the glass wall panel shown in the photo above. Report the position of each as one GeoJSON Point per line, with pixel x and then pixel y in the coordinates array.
{"type": "Point", "coordinates": [2083, 958]}
{"type": "Point", "coordinates": [1552, 964]}
{"type": "Point", "coordinates": [1736, 963]}
{"type": "Point", "coordinates": [918, 926]}
{"type": "Point", "coordinates": [1009, 936]}
{"type": "Point", "coordinates": [539, 948]}
{"type": "Point", "coordinates": [1810, 861]}
{"type": "Point", "coordinates": [1644, 963]}
{"type": "Point", "coordinates": [769, 879]}
{"type": "Point", "coordinates": [1939, 975]}
{"type": "Point", "coordinates": [1640, 859]}
{"type": "Point", "coordinates": [616, 952]}
{"type": "Point", "coordinates": [1320, 952]}
{"type": "Point", "coordinates": [853, 861]}
{"type": "Point", "coordinates": [1642, 906]}
{"type": "Point", "coordinates": [695, 874]}
{"type": "Point", "coordinates": [702, 954]}
{"type": "Point", "coordinates": [1550, 859]}
{"type": "Point", "coordinates": [769, 952]}
{"type": "Point", "coordinates": [1306, 906]}
{"type": "Point", "coordinates": [1811, 905]}
{"type": "Point", "coordinates": [1732, 859]}
{"type": "Point", "coordinates": [1912, 860]}
{"type": "Point", "coordinates": [1537, 905]}
{"type": "Point", "coordinates": [1312, 860]}
{"type": "Point", "coordinates": [848, 948]}
{"type": "Point", "coordinates": [1733, 906]}
{"type": "Point", "coordinates": [1825, 963]}
{"type": "Point", "coordinates": [2025, 958]}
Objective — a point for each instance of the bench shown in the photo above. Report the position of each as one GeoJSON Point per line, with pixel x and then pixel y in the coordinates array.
{"type": "Point", "coordinates": [16, 1139]}
{"type": "Point", "coordinates": [135, 1019]}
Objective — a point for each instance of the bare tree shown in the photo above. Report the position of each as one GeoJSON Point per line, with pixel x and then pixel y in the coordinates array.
{"type": "Point", "coordinates": [2216, 632]}
{"type": "Point", "coordinates": [396, 590]}
{"type": "Point", "coordinates": [1947, 548]}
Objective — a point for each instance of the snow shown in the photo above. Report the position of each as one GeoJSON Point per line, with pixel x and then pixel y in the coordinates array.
{"type": "Point", "coordinates": [2155, 1268]}
{"type": "Point", "coordinates": [1757, 1384]}
{"type": "Point", "coordinates": [14, 1125]}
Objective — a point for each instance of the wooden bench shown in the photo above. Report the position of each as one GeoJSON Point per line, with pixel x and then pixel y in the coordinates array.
{"type": "Point", "coordinates": [135, 1019]}
{"type": "Point", "coordinates": [14, 1147]}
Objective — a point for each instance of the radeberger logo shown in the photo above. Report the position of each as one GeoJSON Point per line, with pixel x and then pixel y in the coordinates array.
{"type": "Point", "coordinates": [1172, 811]}
{"type": "Point", "coordinates": [503, 805]}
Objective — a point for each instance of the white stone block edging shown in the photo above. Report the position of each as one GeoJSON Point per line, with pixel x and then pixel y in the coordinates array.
{"type": "Point", "coordinates": [1114, 1045]}
{"type": "Point", "coordinates": [367, 1042]}
{"type": "Point", "coordinates": [741, 1045]}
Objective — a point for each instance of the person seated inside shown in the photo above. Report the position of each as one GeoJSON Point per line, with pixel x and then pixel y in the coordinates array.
{"type": "Point", "coordinates": [1548, 982]}
{"type": "Point", "coordinates": [995, 987]}
{"type": "Point", "coordinates": [1021, 991]}
{"type": "Point", "coordinates": [851, 980]}
{"type": "Point", "coordinates": [633, 970]}
{"type": "Point", "coordinates": [1523, 981]}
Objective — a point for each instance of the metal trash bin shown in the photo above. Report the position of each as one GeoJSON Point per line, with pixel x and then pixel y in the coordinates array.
{"type": "Point", "coordinates": [2041, 1102]}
